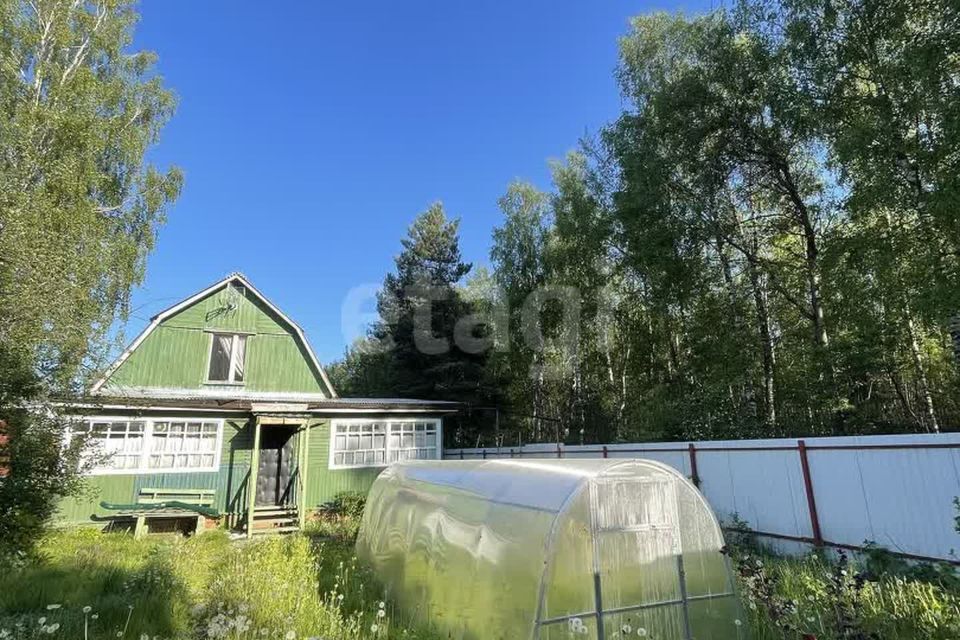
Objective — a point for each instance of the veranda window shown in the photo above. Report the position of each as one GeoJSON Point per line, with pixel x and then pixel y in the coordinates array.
{"type": "Point", "coordinates": [227, 353]}
{"type": "Point", "coordinates": [150, 446]}
{"type": "Point", "coordinates": [116, 445]}
{"type": "Point", "coordinates": [371, 443]}
{"type": "Point", "coordinates": [182, 445]}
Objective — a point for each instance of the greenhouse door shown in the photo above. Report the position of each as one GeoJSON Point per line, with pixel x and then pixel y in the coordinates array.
{"type": "Point", "coordinates": [639, 578]}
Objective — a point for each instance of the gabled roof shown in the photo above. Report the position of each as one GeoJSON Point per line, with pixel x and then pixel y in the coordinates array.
{"type": "Point", "coordinates": [238, 278]}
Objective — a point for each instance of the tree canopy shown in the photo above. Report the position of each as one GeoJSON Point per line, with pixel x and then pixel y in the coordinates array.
{"type": "Point", "coordinates": [79, 203]}
{"type": "Point", "coordinates": [763, 243]}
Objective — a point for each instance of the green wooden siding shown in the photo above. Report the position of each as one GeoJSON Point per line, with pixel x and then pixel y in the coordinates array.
{"type": "Point", "coordinates": [325, 483]}
{"type": "Point", "coordinates": [229, 482]}
{"type": "Point", "coordinates": [175, 355]}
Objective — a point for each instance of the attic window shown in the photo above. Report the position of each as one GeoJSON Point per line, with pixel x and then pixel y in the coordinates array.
{"type": "Point", "coordinates": [227, 351]}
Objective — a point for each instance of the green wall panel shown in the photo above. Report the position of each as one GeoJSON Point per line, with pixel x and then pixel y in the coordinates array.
{"type": "Point", "coordinates": [229, 482]}
{"type": "Point", "coordinates": [87, 505]}
{"type": "Point", "coordinates": [175, 354]}
{"type": "Point", "coordinates": [325, 483]}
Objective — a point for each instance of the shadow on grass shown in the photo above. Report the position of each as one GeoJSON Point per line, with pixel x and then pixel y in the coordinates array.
{"type": "Point", "coordinates": [123, 601]}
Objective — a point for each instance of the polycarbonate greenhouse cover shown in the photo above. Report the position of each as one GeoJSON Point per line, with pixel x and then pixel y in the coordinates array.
{"type": "Point", "coordinates": [546, 549]}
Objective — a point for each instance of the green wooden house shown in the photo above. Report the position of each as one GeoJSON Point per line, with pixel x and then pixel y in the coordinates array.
{"type": "Point", "coordinates": [221, 399]}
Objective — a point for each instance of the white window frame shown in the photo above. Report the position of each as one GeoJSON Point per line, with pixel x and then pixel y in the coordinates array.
{"type": "Point", "coordinates": [233, 356]}
{"type": "Point", "coordinates": [437, 423]}
{"type": "Point", "coordinates": [143, 467]}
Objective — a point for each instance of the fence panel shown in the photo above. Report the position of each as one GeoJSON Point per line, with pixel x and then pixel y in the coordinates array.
{"type": "Point", "coordinates": [896, 491]}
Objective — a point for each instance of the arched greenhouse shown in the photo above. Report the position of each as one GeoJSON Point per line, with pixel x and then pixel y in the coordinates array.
{"type": "Point", "coordinates": [546, 549]}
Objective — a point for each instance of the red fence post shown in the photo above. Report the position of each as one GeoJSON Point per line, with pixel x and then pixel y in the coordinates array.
{"type": "Point", "coordinates": [694, 475]}
{"type": "Point", "coordinates": [811, 499]}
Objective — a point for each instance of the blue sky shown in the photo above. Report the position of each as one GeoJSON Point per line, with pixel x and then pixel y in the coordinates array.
{"type": "Point", "coordinates": [312, 133]}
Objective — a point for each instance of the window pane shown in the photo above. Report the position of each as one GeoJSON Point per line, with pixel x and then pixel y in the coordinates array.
{"type": "Point", "coordinates": [238, 368]}
{"type": "Point", "coordinates": [220, 358]}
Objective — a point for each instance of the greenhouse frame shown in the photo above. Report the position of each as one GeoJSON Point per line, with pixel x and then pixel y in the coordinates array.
{"type": "Point", "coordinates": [547, 549]}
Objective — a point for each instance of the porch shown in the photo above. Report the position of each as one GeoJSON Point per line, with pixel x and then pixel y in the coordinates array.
{"type": "Point", "coordinates": [276, 488]}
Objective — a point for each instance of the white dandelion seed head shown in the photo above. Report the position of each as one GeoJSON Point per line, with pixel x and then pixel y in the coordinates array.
{"type": "Point", "coordinates": [95, 616]}
{"type": "Point", "coordinates": [53, 628]}
{"type": "Point", "coordinates": [374, 628]}
{"type": "Point", "coordinates": [53, 607]}
{"type": "Point", "coordinates": [641, 632]}
{"type": "Point", "coordinates": [290, 635]}
{"type": "Point", "coordinates": [737, 622]}
{"type": "Point", "coordinates": [42, 620]}
{"type": "Point", "coordinates": [626, 629]}
{"type": "Point", "coordinates": [87, 609]}
{"type": "Point", "coordinates": [382, 604]}
{"type": "Point", "coordinates": [381, 613]}
{"type": "Point", "coordinates": [144, 636]}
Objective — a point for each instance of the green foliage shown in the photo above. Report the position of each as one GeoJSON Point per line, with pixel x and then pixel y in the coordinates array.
{"type": "Point", "coordinates": [203, 587]}
{"type": "Point", "coordinates": [80, 205]}
{"type": "Point", "coordinates": [79, 208]}
{"type": "Point", "coordinates": [427, 342]}
{"type": "Point", "coordinates": [794, 599]}
{"type": "Point", "coordinates": [348, 504]}
{"type": "Point", "coordinates": [760, 241]}
{"type": "Point", "coordinates": [41, 469]}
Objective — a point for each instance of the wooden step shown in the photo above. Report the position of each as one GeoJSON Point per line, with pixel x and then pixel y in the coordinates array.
{"type": "Point", "coordinates": [275, 509]}
{"type": "Point", "coordinates": [266, 530]}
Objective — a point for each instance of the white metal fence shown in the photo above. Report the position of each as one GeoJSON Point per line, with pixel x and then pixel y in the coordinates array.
{"type": "Point", "coordinates": [896, 491]}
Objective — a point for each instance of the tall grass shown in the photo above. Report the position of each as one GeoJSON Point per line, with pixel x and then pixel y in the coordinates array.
{"type": "Point", "coordinates": [91, 585]}
{"type": "Point", "coordinates": [95, 585]}
{"type": "Point", "coordinates": [815, 597]}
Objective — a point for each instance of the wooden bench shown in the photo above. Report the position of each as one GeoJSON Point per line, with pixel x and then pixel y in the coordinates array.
{"type": "Point", "coordinates": [167, 503]}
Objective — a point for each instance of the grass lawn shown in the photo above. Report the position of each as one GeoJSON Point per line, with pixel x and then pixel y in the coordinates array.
{"type": "Point", "coordinates": [95, 585]}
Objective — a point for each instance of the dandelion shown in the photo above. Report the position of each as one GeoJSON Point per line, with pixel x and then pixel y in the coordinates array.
{"type": "Point", "coordinates": [382, 604]}
{"type": "Point", "coordinates": [290, 635]}
{"type": "Point", "coordinates": [42, 620]}
{"type": "Point", "coordinates": [737, 622]}
{"type": "Point", "coordinates": [381, 613]}
{"type": "Point", "coordinates": [626, 629]}
{"type": "Point", "coordinates": [144, 636]}
{"type": "Point", "coordinates": [87, 609]}
{"type": "Point", "coordinates": [641, 632]}
{"type": "Point", "coordinates": [95, 616]}
{"type": "Point", "coordinates": [53, 607]}
{"type": "Point", "coordinates": [374, 628]}
{"type": "Point", "coordinates": [577, 626]}
{"type": "Point", "coordinates": [53, 628]}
